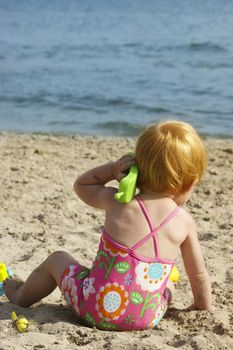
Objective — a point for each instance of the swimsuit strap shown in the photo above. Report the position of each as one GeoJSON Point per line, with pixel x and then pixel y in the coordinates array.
{"type": "Point", "coordinates": [153, 230]}
{"type": "Point", "coordinates": [145, 212]}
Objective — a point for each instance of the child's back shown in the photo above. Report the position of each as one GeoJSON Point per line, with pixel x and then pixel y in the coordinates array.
{"type": "Point", "coordinates": [127, 225]}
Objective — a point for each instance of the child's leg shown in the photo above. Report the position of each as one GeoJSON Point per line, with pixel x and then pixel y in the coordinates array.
{"type": "Point", "coordinates": [41, 282]}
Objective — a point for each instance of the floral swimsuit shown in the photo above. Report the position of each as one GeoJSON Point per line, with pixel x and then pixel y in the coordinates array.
{"type": "Point", "coordinates": [123, 290]}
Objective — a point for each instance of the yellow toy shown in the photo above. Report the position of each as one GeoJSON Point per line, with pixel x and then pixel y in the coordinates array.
{"type": "Point", "coordinates": [4, 273]}
{"type": "Point", "coordinates": [174, 275]}
{"type": "Point", "coordinates": [21, 323]}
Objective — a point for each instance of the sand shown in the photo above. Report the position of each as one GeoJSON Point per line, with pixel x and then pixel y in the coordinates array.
{"type": "Point", "coordinates": [40, 213]}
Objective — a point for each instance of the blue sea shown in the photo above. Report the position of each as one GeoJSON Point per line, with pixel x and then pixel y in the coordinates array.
{"type": "Point", "coordinates": [105, 67]}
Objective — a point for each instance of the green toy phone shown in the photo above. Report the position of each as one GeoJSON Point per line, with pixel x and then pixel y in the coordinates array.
{"type": "Point", "coordinates": [127, 186]}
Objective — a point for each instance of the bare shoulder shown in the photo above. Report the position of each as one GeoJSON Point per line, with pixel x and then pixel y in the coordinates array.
{"type": "Point", "coordinates": [186, 217]}
{"type": "Point", "coordinates": [187, 222]}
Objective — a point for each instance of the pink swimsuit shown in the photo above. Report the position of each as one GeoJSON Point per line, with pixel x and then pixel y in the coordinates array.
{"type": "Point", "coordinates": [123, 290]}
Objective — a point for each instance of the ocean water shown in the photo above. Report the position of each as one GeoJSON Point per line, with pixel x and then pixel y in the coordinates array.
{"type": "Point", "coordinates": [107, 67]}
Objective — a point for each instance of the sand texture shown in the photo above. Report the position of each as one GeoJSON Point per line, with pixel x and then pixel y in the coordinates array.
{"type": "Point", "coordinates": [40, 213]}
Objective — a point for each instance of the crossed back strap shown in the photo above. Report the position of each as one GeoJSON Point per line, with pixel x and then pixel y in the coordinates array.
{"type": "Point", "coordinates": [153, 230]}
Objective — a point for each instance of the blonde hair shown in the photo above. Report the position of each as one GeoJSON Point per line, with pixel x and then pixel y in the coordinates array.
{"type": "Point", "coordinates": [170, 157]}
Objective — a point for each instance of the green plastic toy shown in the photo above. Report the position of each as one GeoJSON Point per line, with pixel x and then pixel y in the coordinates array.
{"type": "Point", "coordinates": [127, 186]}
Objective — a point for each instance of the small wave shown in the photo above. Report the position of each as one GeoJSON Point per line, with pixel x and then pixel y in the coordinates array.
{"type": "Point", "coordinates": [92, 100]}
{"type": "Point", "coordinates": [27, 100]}
{"type": "Point", "coordinates": [119, 128]}
{"type": "Point", "coordinates": [63, 123]}
{"type": "Point", "coordinates": [78, 108]}
{"type": "Point", "coordinates": [214, 112]}
{"type": "Point", "coordinates": [210, 65]}
{"type": "Point", "coordinates": [97, 104]}
{"type": "Point", "coordinates": [206, 47]}
{"type": "Point", "coordinates": [100, 104]}
{"type": "Point", "coordinates": [99, 101]}
{"type": "Point", "coordinates": [132, 45]}
{"type": "Point", "coordinates": [157, 110]}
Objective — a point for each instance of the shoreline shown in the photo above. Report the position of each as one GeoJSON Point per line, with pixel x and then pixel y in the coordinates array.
{"type": "Point", "coordinates": [63, 134]}
{"type": "Point", "coordinates": [40, 213]}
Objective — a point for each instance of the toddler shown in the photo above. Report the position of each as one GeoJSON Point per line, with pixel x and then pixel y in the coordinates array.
{"type": "Point", "coordinates": [128, 285]}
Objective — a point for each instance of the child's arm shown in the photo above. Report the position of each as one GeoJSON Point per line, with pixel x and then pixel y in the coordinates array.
{"type": "Point", "coordinates": [90, 186]}
{"type": "Point", "coordinates": [196, 270]}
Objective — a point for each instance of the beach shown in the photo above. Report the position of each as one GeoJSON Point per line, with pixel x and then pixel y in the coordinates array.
{"type": "Point", "coordinates": [40, 214]}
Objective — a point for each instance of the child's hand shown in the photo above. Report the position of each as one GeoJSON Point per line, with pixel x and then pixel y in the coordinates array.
{"type": "Point", "coordinates": [122, 165]}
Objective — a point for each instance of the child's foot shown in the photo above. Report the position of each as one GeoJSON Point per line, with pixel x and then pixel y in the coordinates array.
{"type": "Point", "coordinates": [11, 288]}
